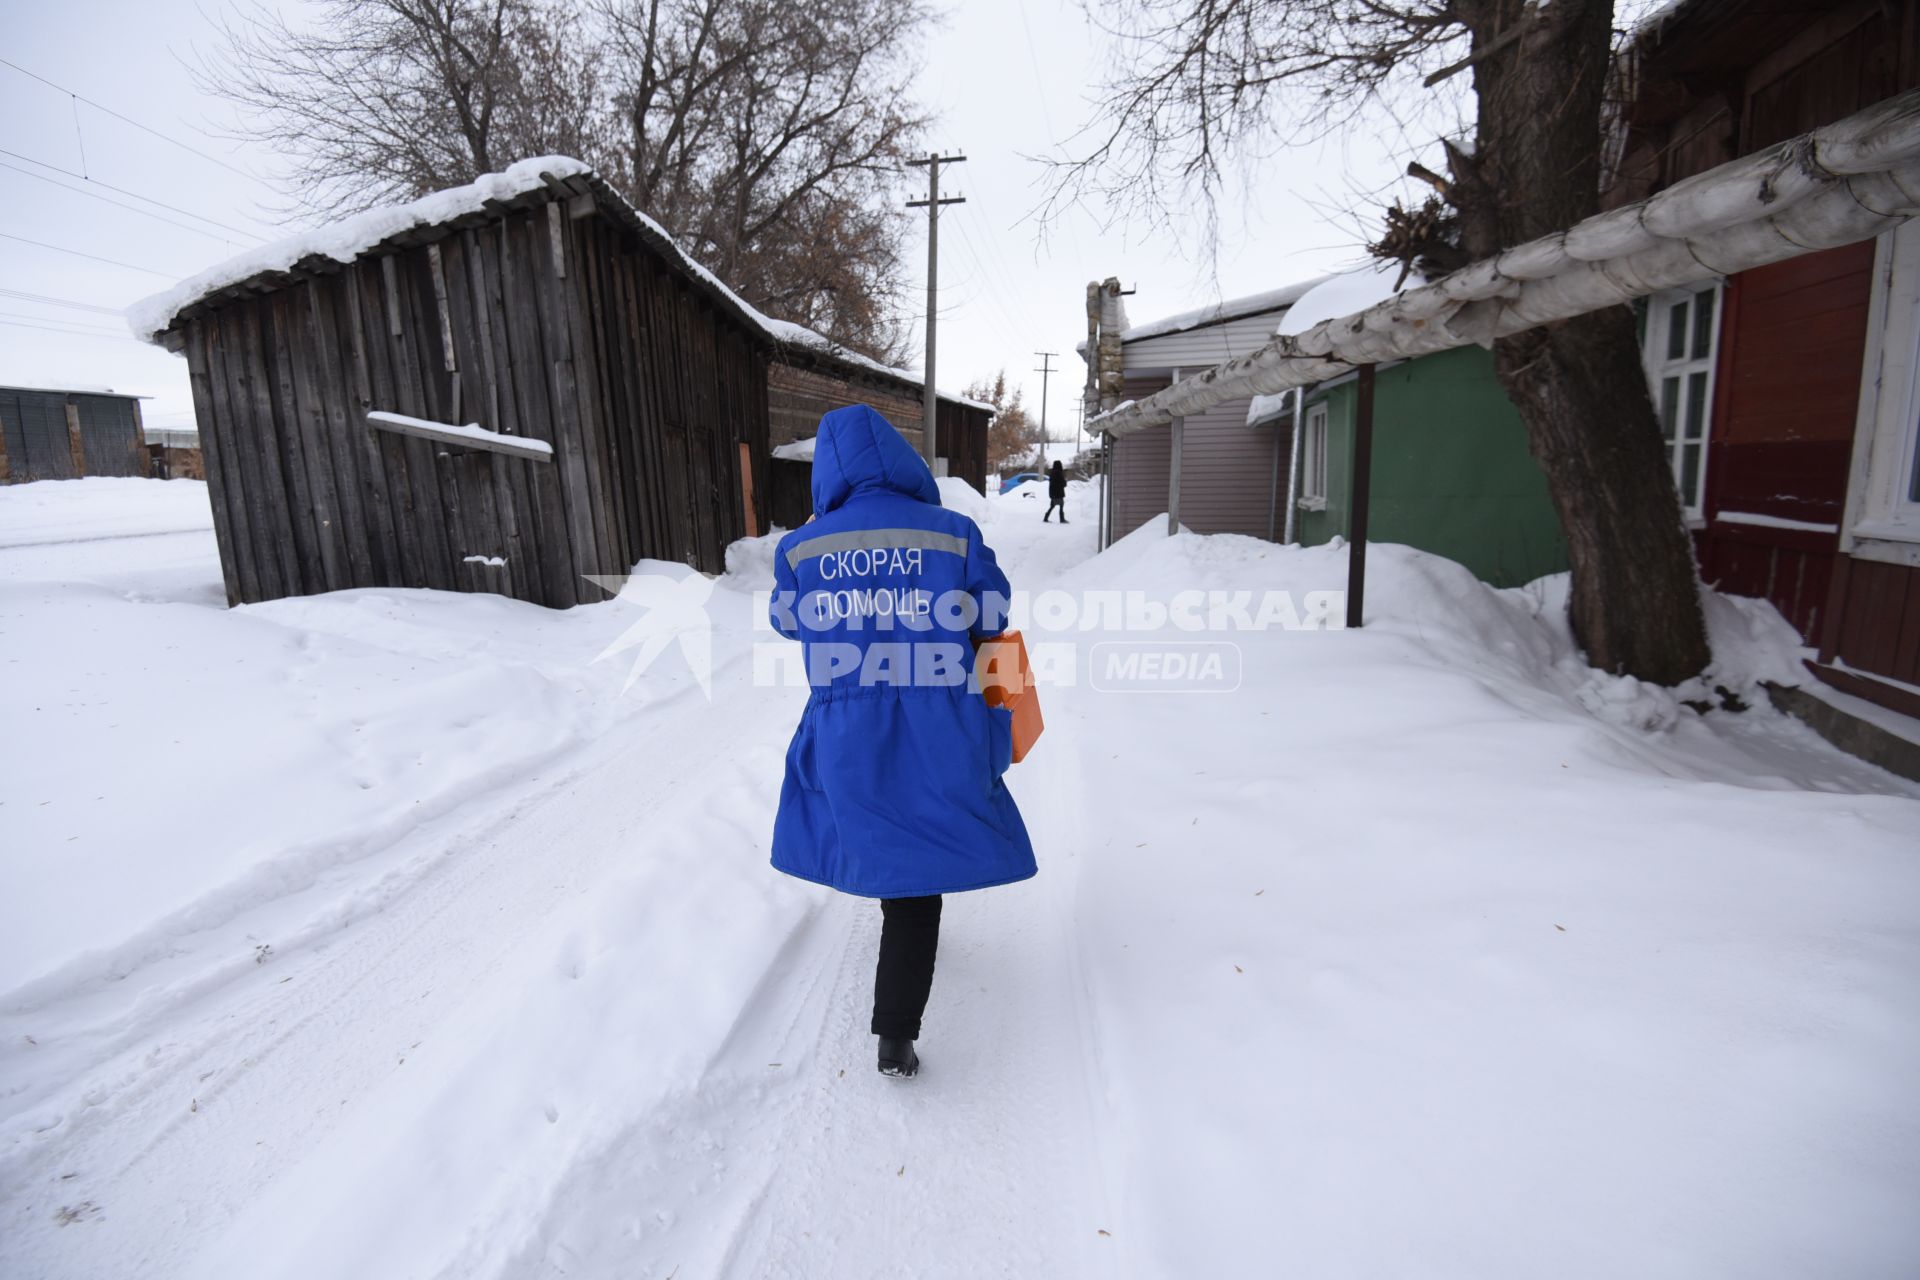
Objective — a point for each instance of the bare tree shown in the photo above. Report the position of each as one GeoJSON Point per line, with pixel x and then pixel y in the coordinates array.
{"type": "Point", "coordinates": [1199, 82]}
{"type": "Point", "coordinates": [767, 137]}
{"type": "Point", "coordinates": [384, 100]}
{"type": "Point", "coordinates": [1013, 436]}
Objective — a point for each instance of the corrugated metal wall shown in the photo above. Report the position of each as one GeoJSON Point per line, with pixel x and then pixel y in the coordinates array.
{"type": "Point", "coordinates": [1226, 470]}
{"type": "Point", "coordinates": [1140, 468]}
{"type": "Point", "coordinates": [39, 445]}
{"type": "Point", "coordinates": [109, 436]}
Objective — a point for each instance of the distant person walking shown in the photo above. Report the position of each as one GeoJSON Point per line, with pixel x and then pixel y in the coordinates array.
{"type": "Point", "coordinates": [893, 788]}
{"type": "Point", "coordinates": [1056, 493]}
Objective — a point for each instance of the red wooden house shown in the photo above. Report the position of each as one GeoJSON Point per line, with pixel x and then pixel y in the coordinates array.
{"type": "Point", "coordinates": [1788, 393]}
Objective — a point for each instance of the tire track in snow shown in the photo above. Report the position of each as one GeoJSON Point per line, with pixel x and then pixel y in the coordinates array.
{"type": "Point", "coordinates": [794, 1158]}
{"type": "Point", "coordinates": [184, 1133]}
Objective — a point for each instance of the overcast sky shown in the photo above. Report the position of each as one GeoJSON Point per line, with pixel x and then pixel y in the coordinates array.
{"type": "Point", "coordinates": [1007, 81]}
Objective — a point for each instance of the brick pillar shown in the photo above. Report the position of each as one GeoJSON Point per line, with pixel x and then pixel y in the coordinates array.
{"type": "Point", "coordinates": [75, 445]}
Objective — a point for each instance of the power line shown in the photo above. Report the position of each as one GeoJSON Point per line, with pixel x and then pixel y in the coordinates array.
{"type": "Point", "coordinates": [1039, 86]}
{"type": "Point", "coordinates": [145, 213]}
{"type": "Point", "coordinates": [71, 333]}
{"type": "Point", "coordinates": [41, 244]}
{"type": "Point", "coordinates": [52, 301]}
{"type": "Point", "coordinates": [135, 194]}
{"type": "Point", "coordinates": [76, 324]}
{"type": "Point", "coordinates": [135, 123]}
{"type": "Point", "coordinates": [992, 261]}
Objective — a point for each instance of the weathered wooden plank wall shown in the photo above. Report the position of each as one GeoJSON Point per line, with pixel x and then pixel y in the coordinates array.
{"type": "Point", "coordinates": [962, 441]}
{"type": "Point", "coordinates": [552, 323]}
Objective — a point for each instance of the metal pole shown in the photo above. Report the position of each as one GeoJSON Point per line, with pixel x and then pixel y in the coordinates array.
{"type": "Point", "coordinates": [930, 395]}
{"type": "Point", "coordinates": [1106, 492]}
{"type": "Point", "coordinates": [1293, 466]}
{"type": "Point", "coordinates": [1179, 431]}
{"type": "Point", "coordinates": [1360, 483]}
{"type": "Point", "coordinates": [1045, 370]}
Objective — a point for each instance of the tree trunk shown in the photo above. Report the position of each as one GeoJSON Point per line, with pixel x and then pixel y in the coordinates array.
{"type": "Point", "coordinates": [1635, 599]}
{"type": "Point", "coordinates": [1579, 385]}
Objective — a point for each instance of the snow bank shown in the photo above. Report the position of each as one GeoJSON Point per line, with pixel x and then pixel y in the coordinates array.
{"type": "Point", "coordinates": [96, 507]}
{"type": "Point", "coordinates": [1474, 972]}
{"type": "Point", "coordinates": [957, 495]}
{"type": "Point", "coordinates": [1341, 295]}
{"type": "Point", "coordinates": [796, 450]}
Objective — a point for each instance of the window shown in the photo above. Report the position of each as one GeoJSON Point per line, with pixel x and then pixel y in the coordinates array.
{"type": "Point", "coordinates": [1313, 459]}
{"type": "Point", "coordinates": [1682, 340]}
{"type": "Point", "coordinates": [1882, 517]}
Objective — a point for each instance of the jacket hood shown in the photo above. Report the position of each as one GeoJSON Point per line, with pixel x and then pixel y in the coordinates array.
{"type": "Point", "coordinates": [859, 451]}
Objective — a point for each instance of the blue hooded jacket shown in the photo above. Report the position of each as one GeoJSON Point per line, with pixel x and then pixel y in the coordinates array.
{"type": "Point", "coordinates": [893, 785]}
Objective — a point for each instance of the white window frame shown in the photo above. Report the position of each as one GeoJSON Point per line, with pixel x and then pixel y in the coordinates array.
{"type": "Point", "coordinates": [1882, 520]}
{"type": "Point", "coordinates": [1682, 370]}
{"type": "Point", "coordinates": [1313, 458]}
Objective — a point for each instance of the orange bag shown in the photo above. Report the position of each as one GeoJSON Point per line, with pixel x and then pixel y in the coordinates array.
{"type": "Point", "coordinates": [1006, 679]}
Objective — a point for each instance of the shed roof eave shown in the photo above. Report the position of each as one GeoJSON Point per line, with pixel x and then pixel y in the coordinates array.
{"type": "Point", "coordinates": [528, 184]}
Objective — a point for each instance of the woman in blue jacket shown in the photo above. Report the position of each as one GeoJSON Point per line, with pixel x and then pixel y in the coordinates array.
{"type": "Point", "coordinates": [893, 787]}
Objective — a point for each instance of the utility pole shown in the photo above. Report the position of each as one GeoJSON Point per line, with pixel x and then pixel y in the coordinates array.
{"type": "Point", "coordinates": [1045, 370]}
{"type": "Point", "coordinates": [930, 416]}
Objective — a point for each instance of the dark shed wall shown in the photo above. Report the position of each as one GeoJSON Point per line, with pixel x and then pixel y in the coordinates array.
{"type": "Point", "coordinates": [684, 387]}
{"type": "Point", "coordinates": [602, 351]}
{"type": "Point", "coordinates": [799, 396]}
{"type": "Point", "coordinates": [963, 442]}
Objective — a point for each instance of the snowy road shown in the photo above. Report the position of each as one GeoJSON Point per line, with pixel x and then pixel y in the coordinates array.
{"type": "Point", "coordinates": [199, 1093]}
{"type": "Point", "coordinates": [1429, 952]}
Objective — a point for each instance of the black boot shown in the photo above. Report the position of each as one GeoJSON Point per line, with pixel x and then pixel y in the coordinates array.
{"type": "Point", "coordinates": [897, 1058]}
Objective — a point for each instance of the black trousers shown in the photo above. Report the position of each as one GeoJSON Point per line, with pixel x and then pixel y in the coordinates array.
{"type": "Point", "coordinates": [1058, 504]}
{"type": "Point", "coordinates": [909, 936]}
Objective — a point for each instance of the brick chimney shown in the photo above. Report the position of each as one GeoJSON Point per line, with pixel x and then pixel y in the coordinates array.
{"type": "Point", "coordinates": [1106, 366]}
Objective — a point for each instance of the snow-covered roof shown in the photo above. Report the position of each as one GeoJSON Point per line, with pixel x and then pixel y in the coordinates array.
{"type": "Point", "coordinates": [1230, 309]}
{"type": "Point", "coordinates": [1265, 408]}
{"type": "Point", "coordinates": [348, 239]}
{"type": "Point", "coordinates": [1342, 294]}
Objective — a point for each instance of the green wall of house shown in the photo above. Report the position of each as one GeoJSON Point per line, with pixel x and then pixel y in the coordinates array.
{"type": "Point", "coordinates": [1451, 471]}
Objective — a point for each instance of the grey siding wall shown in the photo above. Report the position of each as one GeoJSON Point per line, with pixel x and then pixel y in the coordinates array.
{"type": "Point", "coordinates": [1226, 471]}
{"type": "Point", "coordinates": [1206, 346]}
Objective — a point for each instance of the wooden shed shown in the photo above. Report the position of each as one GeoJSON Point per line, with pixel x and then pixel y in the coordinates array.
{"type": "Point", "coordinates": [558, 392]}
